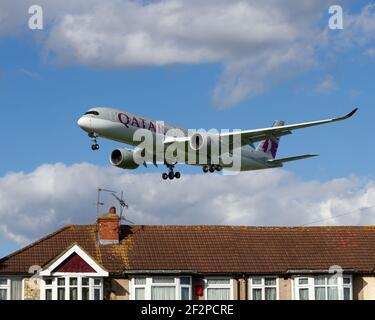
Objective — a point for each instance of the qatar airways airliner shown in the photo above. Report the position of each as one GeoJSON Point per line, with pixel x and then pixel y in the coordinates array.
{"type": "Point", "coordinates": [170, 145]}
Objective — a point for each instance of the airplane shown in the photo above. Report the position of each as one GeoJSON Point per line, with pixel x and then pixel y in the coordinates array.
{"type": "Point", "coordinates": [121, 126]}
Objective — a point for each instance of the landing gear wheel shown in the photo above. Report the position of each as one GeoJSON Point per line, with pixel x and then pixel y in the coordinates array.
{"type": "Point", "coordinates": [219, 168]}
{"type": "Point", "coordinates": [171, 174]}
{"type": "Point", "coordinates": [205, 169]}
{"type": "Point", "coordinates": [94, 137]}
{"type": "Point", "coordinates": [212, 169]}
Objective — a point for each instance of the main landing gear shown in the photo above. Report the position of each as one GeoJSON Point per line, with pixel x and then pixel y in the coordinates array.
{"type": "Point", "coordinates": [95, 145]}
{"type": "Point", "coordinates": [171, 174]}
{"type": "Point", "coordinates": [212, 168]}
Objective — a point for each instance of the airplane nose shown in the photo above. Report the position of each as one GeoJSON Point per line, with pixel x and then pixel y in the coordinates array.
{"type": "Point", "coordinates": [84, 124]}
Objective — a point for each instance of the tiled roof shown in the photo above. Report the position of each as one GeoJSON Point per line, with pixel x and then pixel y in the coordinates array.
{"type": "Point", "coordinates": [209, 249]}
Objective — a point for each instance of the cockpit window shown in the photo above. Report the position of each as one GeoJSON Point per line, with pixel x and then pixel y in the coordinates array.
{"type": "Point", "coordinates": [95, 113]}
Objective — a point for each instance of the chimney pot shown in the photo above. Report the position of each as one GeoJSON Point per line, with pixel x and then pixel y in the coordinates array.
{"type": "Point", "coordinates": [112, 210]}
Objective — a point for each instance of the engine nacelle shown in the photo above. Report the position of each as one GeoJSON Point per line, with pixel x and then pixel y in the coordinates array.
{"type": "Point", "coordinates": [202, 142]}
{"type": "Point", "coordinates": [123, 158]}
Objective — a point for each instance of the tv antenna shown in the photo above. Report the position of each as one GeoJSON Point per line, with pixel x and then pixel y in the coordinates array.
{"type": "Point", "coordinates": [98, 202]}
{"type": "Point", "coordinates": [120, 200]}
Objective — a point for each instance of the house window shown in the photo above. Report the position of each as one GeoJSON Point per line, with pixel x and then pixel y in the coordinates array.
{"type": "Point", "coordinates": [139, 288]}
{"type": "Point", "coordinates": [11, 289]}
{"type": "Point", "coordinates": [264, 288]}
{"type": "Point", "coordinates": [48, 287]}
{"type": "Point", "coordinates": [60, 288]}
{"type": "Point", "coordinates": [219, 289]}
{"type": "Point", "coordinates": [4, 289]}
{"type": "Point", "coordinates": [72, 288]}
{"type": "Point", "coordinates": [161, 288]}
{"type": "Point", "coordinates": [303, 289]}
{"type": "Point", "coordinates": [323, 287]}
{"type": "Point", "coordinates": [326, 288]}
{"type": "Point", "coordinates": [98, 288]}
{"type": "Point", "coordinates": [16, 289]}
{"type": "Point", "coordinates": [347, 287]}
{"type": "Point", "coordinates": [185, 283]}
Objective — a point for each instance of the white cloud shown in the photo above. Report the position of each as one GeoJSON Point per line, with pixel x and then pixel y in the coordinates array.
{"type": "Point", "coordinates": [360, 28]}
{"type": "Point", "coordinates": [34, 204]}
{"type": "Point", "coordinates": [371, 52]}
{"type": "Point", "coordinates": [259, 43]}
{"type": "Point", "coordinates": [31, 74]}
{"type": "Point", "coordinates": [326, 85]}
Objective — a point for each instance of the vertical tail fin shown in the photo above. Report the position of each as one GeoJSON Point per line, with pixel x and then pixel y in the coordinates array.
{"type": "Point", "coordinates": [271, 143]}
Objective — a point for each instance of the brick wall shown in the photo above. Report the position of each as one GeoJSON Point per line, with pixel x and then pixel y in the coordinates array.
{"type": "Point", "coordinates": [108, 226]}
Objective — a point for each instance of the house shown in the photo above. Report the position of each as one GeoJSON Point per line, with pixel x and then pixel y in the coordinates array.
{"type": "Point", "coordinates": [108, 260]}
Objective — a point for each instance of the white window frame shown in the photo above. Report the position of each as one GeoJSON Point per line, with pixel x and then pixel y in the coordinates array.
{"type": "Point", "coordinates": [79, 276]}
{"type": "Point", "coordinates": [263, 286]}
{"type": "Point", "coordinates": [188, 286]}
{"type": "Point", "coordinates": [218, 286]}
{"type": "Point", "coordinates": [134, 286]}
{"type": "Point", "coordinates": [347, 286]}
{"type": "Point", "coordinates": [6, 287]}
{"type": "Point", "coordinates": [22, 287]}
{"type": "Point", "coordinates": [149, 284]}
{"type": "Point", "coordinates": [311, 285]}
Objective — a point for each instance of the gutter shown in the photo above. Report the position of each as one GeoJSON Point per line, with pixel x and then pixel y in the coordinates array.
{"type": "Point", "coordinates": [127, 272]}
{"type": "Point", "coordinates": [311, 271]}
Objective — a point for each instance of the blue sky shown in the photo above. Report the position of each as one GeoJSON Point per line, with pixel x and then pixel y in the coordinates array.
{"type": "Point", "coordinates": [41, 101]}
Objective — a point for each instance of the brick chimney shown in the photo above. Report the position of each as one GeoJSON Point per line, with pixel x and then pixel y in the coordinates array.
{"type": "Point", "coordinates": [108, 227]}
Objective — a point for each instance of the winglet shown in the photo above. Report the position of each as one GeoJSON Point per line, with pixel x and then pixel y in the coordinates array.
{"type": "Point", "coordinates": [350, 114]}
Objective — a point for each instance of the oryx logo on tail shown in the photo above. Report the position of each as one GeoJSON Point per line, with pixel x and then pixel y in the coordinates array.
{"type": "Point", "coordinates": [269, 146]}
{"type": "Point", "coordinates": [271, 143]}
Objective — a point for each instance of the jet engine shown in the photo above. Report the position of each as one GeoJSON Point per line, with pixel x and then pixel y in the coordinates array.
{"type": "Point", "coordinates": [202, 142]}
{"type": "Point", "coordinates": [123, 158]}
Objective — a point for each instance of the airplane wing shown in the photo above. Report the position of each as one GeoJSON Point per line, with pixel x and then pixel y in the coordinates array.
{"type": "Point", "coordinates": [250, 136]}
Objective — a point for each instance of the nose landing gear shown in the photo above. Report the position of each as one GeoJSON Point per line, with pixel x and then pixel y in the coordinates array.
{"type": "Point", "coordinates": [171, 174]}
{"type": "Point", "coordinates": [95, 145]}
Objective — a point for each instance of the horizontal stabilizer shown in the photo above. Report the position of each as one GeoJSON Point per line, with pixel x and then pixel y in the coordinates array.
{"type": "Point", "coordinates": [288, 159]}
